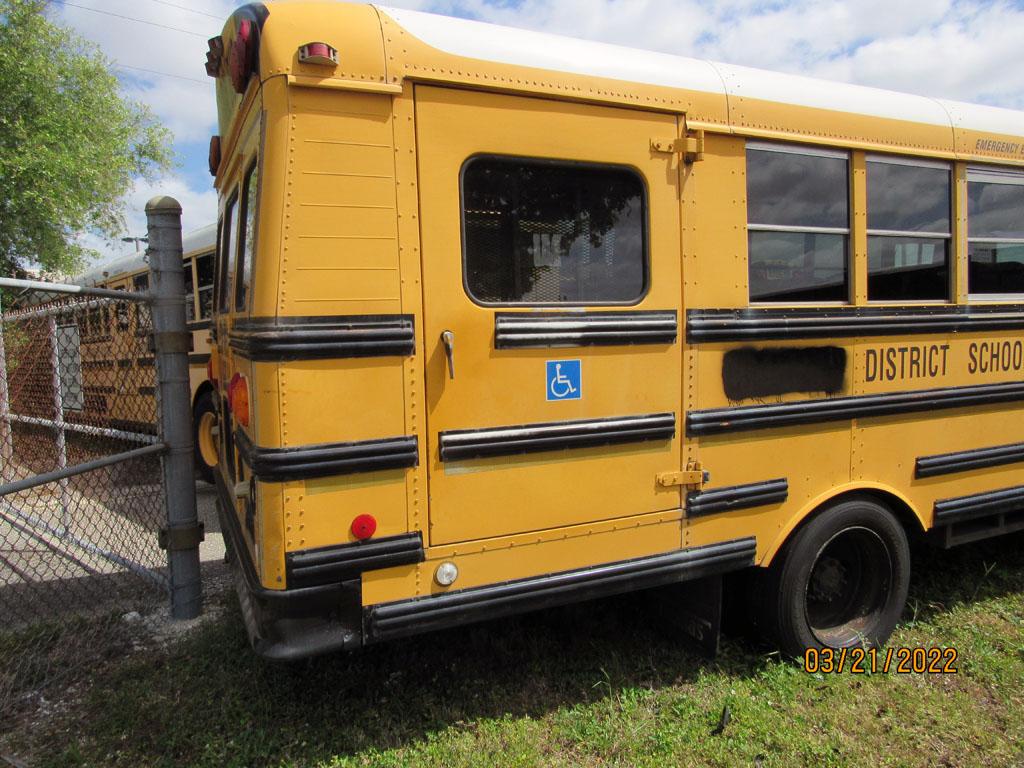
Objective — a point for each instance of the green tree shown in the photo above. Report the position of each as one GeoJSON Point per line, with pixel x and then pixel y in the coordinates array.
{"type": "Point", "coordinates": [70, 142]}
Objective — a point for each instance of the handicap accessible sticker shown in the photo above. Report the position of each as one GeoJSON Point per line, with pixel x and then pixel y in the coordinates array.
{"type": "Point", "coordinates": [563, 380]}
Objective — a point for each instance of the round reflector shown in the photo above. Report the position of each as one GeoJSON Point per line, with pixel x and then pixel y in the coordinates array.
{"type": "Point", "coordinates": [364, 526]}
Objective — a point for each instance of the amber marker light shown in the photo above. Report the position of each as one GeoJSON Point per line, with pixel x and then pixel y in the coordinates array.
{"type": "Point", "coordinates": [238, 399]}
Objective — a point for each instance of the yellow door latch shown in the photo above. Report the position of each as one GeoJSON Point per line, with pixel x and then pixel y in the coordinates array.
{"type": "Point", "coordinates": [693, 478]}
{"type": "Point", "coordinates": [691, 147]}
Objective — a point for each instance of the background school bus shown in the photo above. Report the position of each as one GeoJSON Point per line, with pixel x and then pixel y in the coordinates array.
{"type": "Point", "coordinates": [421, 216]}
{"type": "Point", "coordinates": [131, 273]}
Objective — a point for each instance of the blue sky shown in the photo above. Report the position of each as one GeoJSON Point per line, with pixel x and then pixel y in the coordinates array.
{"type": "Point", "coordinates": [963, 49]}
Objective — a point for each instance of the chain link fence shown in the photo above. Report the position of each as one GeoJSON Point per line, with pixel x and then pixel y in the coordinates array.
{"type": "Point", "coordinates": [84, 456]}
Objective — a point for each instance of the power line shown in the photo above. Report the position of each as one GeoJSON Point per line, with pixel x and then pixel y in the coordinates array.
{"type": "Point", "coordinates": [190, 10]}
{"type": "Point", "coordinates": [162, 74]}
{"type": "Point", "coordinates": [137, 21]}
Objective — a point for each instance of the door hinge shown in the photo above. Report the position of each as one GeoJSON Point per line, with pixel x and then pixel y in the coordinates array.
{"type": "Point", "coordinates": [695, 477]}
{"type": "Point", "coordinates": [691, 146]}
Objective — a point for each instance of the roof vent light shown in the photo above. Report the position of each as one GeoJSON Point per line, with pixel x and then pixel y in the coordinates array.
{"type": "Point", "coordinates": [318, 53]}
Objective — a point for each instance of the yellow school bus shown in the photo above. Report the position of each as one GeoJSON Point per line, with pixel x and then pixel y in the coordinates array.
{"type": "Point", "coordinates": [131, 273]}
{"type": "Point", "coordinates": [506, 320]}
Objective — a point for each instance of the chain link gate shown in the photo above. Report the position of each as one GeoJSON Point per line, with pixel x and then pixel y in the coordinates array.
{"type": "Point", "coordinates": [97, 496]}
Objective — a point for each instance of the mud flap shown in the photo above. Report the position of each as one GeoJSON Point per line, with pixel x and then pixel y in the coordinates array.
{"type": "Point", "coordinates": [692, 611]}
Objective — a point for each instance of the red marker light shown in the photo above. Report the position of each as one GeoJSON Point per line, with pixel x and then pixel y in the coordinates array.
{"type": "Point", "coordinates": [241, 61]}
{"type": "Point", "coordinates": [364, 526]}
{"type": "Point", "coordinates": [318, 53]}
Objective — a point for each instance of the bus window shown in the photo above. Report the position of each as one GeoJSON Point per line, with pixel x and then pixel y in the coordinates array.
{"type": "Point", "coordinates": [204, 277]}
{"type": "Point", "coordinates": [995, 231]}
{"type": "Point", "coordinates": [798, 214]}
{"type": "Point", "coordinates": [909, 215]}
{"type": "Point", "coordinates": [540, 232]}
{"type": "Point", "coordinates": [96, 323]}
{"type": "Point", "coordinates": [190, 292]}
{"type": "Point", "coordinates": [224, 255]}
{"type": "Point", "coordinates": [243, 270]}
{"type": "Point", "coordinates": [122, 312]}
{"type": "Point", "coordinates": [140, 284]}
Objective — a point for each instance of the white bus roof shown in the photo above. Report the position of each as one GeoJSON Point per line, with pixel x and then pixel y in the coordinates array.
{"type": "Point", "coordinates": [196, 241]}
{"type": "Point", "coordinates": [519, 47]}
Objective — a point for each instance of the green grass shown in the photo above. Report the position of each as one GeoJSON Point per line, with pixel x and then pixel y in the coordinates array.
{"type": "Point", "coordinates": [594, 684]}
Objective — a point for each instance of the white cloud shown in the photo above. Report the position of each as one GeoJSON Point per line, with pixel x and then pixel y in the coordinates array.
{"type": "Point", "coordinates": [960, 49]}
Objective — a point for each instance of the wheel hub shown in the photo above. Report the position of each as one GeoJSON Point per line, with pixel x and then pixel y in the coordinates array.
{"type": "Point", "coordinates": [848, 587]}
{"type": "Point", "coordinates": [828, 580]}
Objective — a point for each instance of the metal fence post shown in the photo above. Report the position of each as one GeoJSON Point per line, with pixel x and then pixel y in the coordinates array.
{"type": "Point", "coordinates": [171, 341]}
{"type": "Point", "coordinates": [6, 437]}
{"type": "Point", "coordinates": [60, 439]}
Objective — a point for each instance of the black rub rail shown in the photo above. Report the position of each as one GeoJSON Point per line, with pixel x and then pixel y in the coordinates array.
{"type": "Point", "coordinates": [583, 329]}
{"type": "Point", "coordinates": [268, 339]}
{"type": "Point", "coordinates": [554, 436]}
{"type": "Point", "coordinates": [386, 621]}
{"type": "Point", "coordinates": [742, 418]}
{"type": "Point", "coordinates": [961, 508]}
{"type": "Point", "coordinates": [699, 503]}
{"type": "Point", "coordinates": [965, 461]}
{"type": "Point", "coordinates": [769, 323]}
{"type": "Point", "coordinates": [328, 565]}
{"type": "Point", "coordinates": [327, 459]}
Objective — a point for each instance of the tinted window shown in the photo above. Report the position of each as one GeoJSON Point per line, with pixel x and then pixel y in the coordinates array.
{"type": "Point", "coordinates": [996, 268]}
{"type": "Point", "coordinates": [224, 255]}
{"type": "Point", "coordinates": [995, 210]}
{"type": "Point", "coordinates": [792, 195]}
{"type": "Point", "coordinates": [797, 190]}
{"type": "Point", "coordinates": [904, 199]}
{"type": "Point", "coordinates": [995, 230]}
{"type": "Point", "coordinates": [539, 232]}
{"type": "Point", "coordinates": [797, 266]}
{"type": "Point", "coordinates": [204, 276]}
{"type": "Point", "coordinates": [190, 296]}
{"type": "Point", "coordinates": [243, 272]}
{"type": "Point", "coordinates": [908, 198]}
{"type": "Point", "coordinates": [906, 268]}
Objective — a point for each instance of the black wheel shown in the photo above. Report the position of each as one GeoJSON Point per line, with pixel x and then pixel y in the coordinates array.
{"type": "Point", "coordinates": [841, 581]}
{"type": "Point", "coordinates": [204, 419]}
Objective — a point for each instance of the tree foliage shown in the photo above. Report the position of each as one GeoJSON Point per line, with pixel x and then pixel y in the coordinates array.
{"type": "Point", "coordinates": [70, 142]}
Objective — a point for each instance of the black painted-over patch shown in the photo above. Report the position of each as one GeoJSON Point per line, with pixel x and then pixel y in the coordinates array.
{"type": "Point", "coordinates": [751, 373]}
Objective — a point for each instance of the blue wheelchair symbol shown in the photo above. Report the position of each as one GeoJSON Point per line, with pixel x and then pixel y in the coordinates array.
{"type": "Point", "coordinates": [564, 380]}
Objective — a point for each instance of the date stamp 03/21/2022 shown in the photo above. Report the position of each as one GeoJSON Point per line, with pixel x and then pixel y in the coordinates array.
{"type": "Point", "coordinates": [901, 660]}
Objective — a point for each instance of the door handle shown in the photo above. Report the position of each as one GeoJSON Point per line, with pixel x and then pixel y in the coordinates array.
{"type": "Point", "coordinates": [448, 339]}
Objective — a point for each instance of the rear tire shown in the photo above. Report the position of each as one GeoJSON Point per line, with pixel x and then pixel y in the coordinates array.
{"type": "Point", "coordinates": [841, 581]}
{"type": "Point", "coordinates": [204, 417]}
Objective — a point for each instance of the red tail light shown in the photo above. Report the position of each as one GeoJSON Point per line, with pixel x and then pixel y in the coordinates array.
{"type": "Point", "coordinates": [364, 526]}
{"type": "Point", "coordinates": [242, 56]}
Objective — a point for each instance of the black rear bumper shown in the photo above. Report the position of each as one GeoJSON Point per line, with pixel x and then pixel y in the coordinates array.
{"type": "Point", "coordinates": [289, 624]}
{"type": "Point", "coordinates": [307, 621]}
